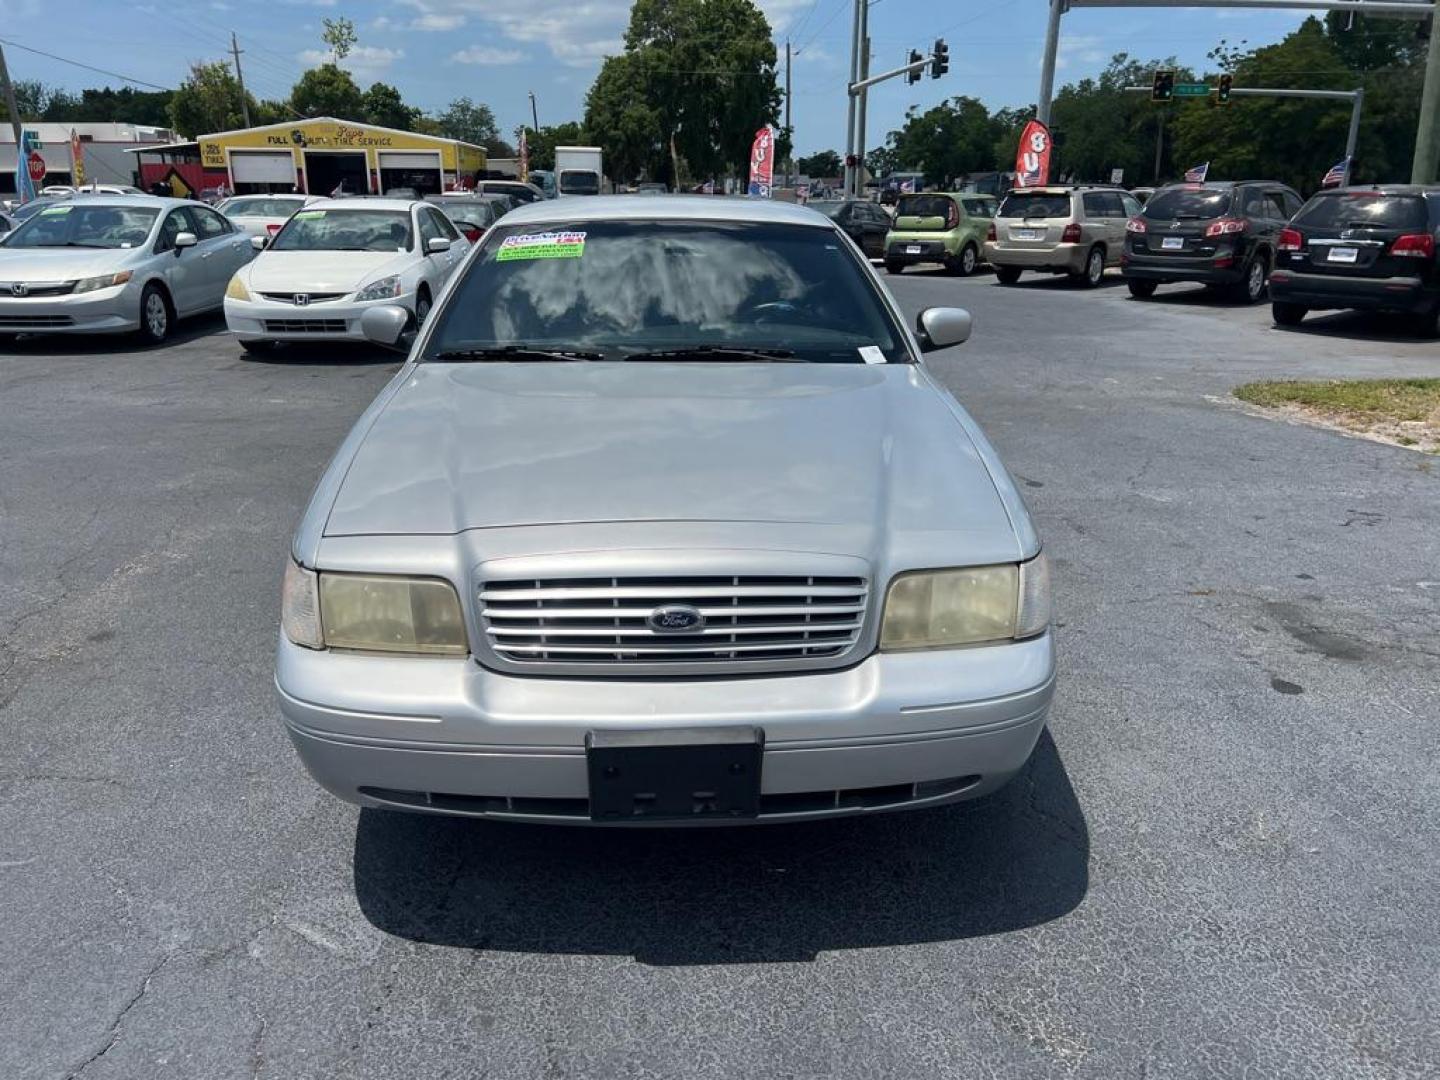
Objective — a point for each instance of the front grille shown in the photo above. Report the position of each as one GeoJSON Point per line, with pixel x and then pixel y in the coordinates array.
{"type": "Point", "coordinates": [32, 321]}
{"type": "Point", "coordinates": [305, 326]}
{"type": "Point", "coordinates": [38, 288]}
{"type": "Point", "coordinates": [588, 621]}
{"type": "Point", "coordinates": [289, 297]}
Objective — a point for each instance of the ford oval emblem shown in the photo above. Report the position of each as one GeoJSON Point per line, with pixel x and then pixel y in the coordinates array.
{"type": "Point", "coordinates": [676, 619]}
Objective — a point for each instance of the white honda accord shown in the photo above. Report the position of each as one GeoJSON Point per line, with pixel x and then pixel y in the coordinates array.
{"type": "Point", "coordinates": [332, 261]}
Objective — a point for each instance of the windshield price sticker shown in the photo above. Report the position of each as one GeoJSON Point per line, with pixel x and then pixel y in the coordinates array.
{"type": "Point", "coordinates": [550, 245]}
{"type": "Point", "coordinates": [55, 211]}
{"type": "Point", "coordinates": [309, 215]}
{"type": "Point", "coordinates": [872, 354]}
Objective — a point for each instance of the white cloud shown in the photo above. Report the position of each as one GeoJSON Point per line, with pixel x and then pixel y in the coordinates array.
{"type": "Point", "coordinates": [364, 61]}
{"type": "Point", "coordinates": [1081, 48]}
{"type": "Point", "coordinates": [578, 34]}
{"type": "Point", "coordinates": [781, 13]}
{"type": "Point", "coordinates": [486, 54]}
{"type": "Point", "coordinates": [437, 21]}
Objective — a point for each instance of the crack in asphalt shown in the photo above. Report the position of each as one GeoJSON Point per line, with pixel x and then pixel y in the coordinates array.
{"type": "Point", "coordinates": [112, 1031]}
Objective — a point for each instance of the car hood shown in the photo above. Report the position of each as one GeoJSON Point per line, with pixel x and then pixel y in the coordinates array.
{"type": "Point", "coordinates": [495, 445]}
{"type": "Point", "coordinates": [323, 271]}
{"type": "Point", "coordinates": [62, 264]}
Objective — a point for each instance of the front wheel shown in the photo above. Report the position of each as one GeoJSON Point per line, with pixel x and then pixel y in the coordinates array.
{"type": "Point", "coordinates": [1007, 275]}
{"type": "Point", "coordinates": [422, 307]}
{"type": "Point", "coordinates": [1287, 314]}
{"type": "Point", "coordinates": [1141, 290]}
{"type": "Point", "coordinates": [154, 315]}
{"type": "Point", "coordinates": [893, 266]}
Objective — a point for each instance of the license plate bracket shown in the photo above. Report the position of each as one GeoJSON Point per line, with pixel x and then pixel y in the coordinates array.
{"type": "Point", "coordinates": [676, 774]}
{"type": "Point", "coordinates": [912, 249]}
{"type": "Point", "coordinates": [1343, 254]}
{"type": "Point", "coordinates": [1172, 243]}
{"type": "Point", "coordinates": [1025, 234]}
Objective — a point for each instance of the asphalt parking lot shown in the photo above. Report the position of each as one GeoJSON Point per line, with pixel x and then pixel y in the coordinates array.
{"type": "Point", "coordinates": [1221, 862]}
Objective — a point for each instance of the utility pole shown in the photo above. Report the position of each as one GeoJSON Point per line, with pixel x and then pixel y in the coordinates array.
{"type": "Point", "coordinates": [785, 176]}
{"type": "Point", "coordinates": [860, 119]}
{"type": "Point", "coordinates": [1159, 141]}
{"type": "Point", "coordinates": [15, 124]}
{"type": "Point", "coordinates": [857, 33]}
{"type": "Point", "coordinates": [1047, 64]}
{"type": "Point", "coordinates": [1427, 149]}
{"type": "Point", "coordinates": [244, 105]}
{"type": "Point", "coordinates": [534, 116]}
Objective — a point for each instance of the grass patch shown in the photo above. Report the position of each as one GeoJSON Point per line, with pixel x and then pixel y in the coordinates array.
{"type": "Point", "coordinates": [1401, 411]}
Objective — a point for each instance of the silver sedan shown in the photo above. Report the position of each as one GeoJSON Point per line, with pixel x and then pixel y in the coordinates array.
{"type": "Point", "coordinates": [110, 264]}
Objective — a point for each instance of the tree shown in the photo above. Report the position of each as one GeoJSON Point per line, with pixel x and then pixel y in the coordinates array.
{"type": "Point", "coordinates": [207, 101]}
{"type": "Point", "coordinates": [328, 90]}
{"type": "Point", "coordinates": [541, 144]}
{"type": "Point", "coordinates": [32, 98]}
{"type": "Point", "coordinates": [470, 122]}
{"type": "Point", "coordinates": [955, 138]}
{"type": "Point", "coordinates": [340, 35]}
{"type": "Point", "coordinates": [825, 163]}
{"type": "Point", "coordinates": [384, 106]}
{"type": "Point", "coordinates": [619, 118]}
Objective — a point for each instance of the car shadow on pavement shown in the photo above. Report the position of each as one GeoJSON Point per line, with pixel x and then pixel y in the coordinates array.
{"type": "Point", "coordinates": [765, 894]}
{"type": "Point", "coordinates": [185, 331]}
{"type": "Point", "coordinates": [1062, 282]}
{"type": "Point", "coordinates": [322, 354]}
{"type": "Point", "coordinates": [1358, 326]}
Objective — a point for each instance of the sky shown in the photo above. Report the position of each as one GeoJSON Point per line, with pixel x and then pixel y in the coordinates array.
{"type": "Point", "coordinates": [497, 51]}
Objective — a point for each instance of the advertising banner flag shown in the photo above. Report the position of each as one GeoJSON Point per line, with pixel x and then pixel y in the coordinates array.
{"type": "Point", "coordinates": [1032, 159]}
{"type": "Point", "coordinates": [762, 164]}
{"type": "Point", "coordinates": [524, 156]}
{"type": "Point", "coordinates": [24, 184]}
{"type": "Point", "coordinates": [77, 158]}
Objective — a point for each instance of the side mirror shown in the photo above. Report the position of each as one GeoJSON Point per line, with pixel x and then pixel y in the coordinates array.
{"type": "Point", "coordinates": [259, 243]}
{"type": "Point", "coordinates": [437, 244]}
{"type": "Point", "coordinates": [184, 240]}
{"type": "Point", "coordinates": [387, 325]}
{"type": "Point", "coordinates": [942, 327]}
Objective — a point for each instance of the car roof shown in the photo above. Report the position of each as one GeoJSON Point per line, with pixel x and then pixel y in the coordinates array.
{"type": "Point", "coordinates": [1063, 189]}
{"type": "Point", "coordinates": [102, 198]}
{"type": "Point", "coordinates": [1384, 189]}
{"type": "Point", "coordinates": [675, 208]}
{"type": "Point", "coordinates": [370, 202]}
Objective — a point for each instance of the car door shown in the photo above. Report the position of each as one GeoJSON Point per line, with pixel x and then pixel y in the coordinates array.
{"type": "Point", "coordinates": [222, 250]}
{"type": "Point", "coordinates": [438, 265]}
{"type": "Point", "coordinates": [879, 229]}
{"type": "Point", "coordinates": [180, 268]}
{"type": "Point", "coordinates": [1113, 207]}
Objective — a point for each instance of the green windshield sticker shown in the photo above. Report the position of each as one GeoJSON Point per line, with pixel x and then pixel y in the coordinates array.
{"type": "Point", "coordinates": [55, 211]}
{"type": "Point", "coordinates": [551, 245]}
{"type": "Point", "coordinates": [309, 215]}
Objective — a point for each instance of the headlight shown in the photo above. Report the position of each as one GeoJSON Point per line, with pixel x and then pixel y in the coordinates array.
{"type": "Point", "coordinates": [300, 607]}
{"type": "Point", "coordinates": [236, 290]}
{"type": "Point", "coordinates": [384, 289]}
{"type": "Point", "coordinates": [104, 281]}
{"type": "Point", "coordinates": [938, 609]}
{"type": "Point", "coordinates": [391, 614]}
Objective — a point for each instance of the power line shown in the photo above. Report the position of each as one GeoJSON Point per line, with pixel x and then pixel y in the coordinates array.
{"type": "Point", "coordinates": [87, 67]}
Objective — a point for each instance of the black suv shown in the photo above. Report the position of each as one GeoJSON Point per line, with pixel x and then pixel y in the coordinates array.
{"type": "Point", "coordinates": [1361, 248]}
{"type": "Point", "coordinates": [1222, 234]}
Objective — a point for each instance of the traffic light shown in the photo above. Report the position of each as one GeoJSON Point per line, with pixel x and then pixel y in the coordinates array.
{"type": "Point", "coordinates": [1222, 92]}
{"type": "Point", "coordinates": [915, 58]}
{"type": "Point", "coordinates": [1163, 88]}
{"type": "Point", "coordinates": [939, 59]}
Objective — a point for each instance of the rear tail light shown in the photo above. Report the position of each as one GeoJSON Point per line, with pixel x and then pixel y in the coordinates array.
{"type": "Point", "coordinates": [272, 228]}
{"type": "Point", "coordinates": [1135, 225]}
{"type": "Point", "coordinates": [1290, 240]}
{"type": "Point", "coordinates": [1071, 235]}
{"type": "Point", "coordinates": [1414, 246]}
{"type": "Point", "coordinates": [990, 233]}
{"type": "Point", "coordinates": [1224, 227]}
{"type": "Point", "coordinates": [473, 235]}
{"type": "Point", "coordinates": [952, 217]}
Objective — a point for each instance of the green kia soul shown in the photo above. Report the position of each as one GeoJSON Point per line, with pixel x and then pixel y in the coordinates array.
{"type": "Point", "coordinates": [939, 227]}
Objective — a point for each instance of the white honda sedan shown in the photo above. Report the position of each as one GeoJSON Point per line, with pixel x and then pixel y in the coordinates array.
{"type": "Point", "coordinates": [335, 259]}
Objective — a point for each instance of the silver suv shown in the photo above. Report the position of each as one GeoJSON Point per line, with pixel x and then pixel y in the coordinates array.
{"type": "Point", "coordinates": [1075, 230]}
{"type": "Point", "coordinates": [665, 520]}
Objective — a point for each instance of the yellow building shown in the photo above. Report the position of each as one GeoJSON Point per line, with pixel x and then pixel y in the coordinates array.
{"type": "Point", "coordinates": [317, 156]}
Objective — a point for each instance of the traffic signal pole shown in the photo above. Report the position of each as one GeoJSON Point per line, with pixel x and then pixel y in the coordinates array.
{"type": "Point", "coordinates": [1355, 97]}
{"type": "Point", "coordinates": [1427, 141]}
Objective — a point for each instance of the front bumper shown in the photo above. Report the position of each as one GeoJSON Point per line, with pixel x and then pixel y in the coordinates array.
{"type": "Point", "coordinates": [1056, 258]}
{"type": "Point", "coordinates": [329, 320]}
{"type": "Point", "coordinates": [103, 311]}
{"type": "Point", "coordinates": [1404, 294]}
{"type": "Point", "coordinates": [1226, 268]}
{"type": "Point", "coordinates": [897, 730]}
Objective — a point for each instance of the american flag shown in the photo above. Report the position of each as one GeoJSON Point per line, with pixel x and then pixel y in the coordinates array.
{"type": "Point", "coordinates": [1339, 173]}
{"type": "Point", "coordinates": [1197, 174]}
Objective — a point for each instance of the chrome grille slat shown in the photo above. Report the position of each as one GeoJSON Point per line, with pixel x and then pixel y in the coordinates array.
{"type": "Point", "coordinates": [575, 623]}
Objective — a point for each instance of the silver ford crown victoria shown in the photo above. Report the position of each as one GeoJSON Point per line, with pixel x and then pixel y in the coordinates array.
{"type": "Point", "coordinates": [665, 521]}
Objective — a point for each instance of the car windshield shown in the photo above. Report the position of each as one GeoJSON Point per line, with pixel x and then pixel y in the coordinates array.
{"type": "Point", "coordinates": [1034, 204]}
{"type": "Point", "coordinates": [69, 224]}
{"type": "Point", "coordinates": [469, 211]}
{"type": "Point", "coordinates": [345, 230]}
{"type": "Point", "coordinates": [671, 290]}
{"type": "Point", "coordinates": [1188, 204]}
{"type": "Point", "coordinates": [1356, 210]}
{"type": "Point", "coordinates": [829, 207]}
{"type": "Point", "coordinates": [26, 210]}
{"type": "Point", "coordinates": [259, 207]}
{"type": "Point", "coordinates": [579, 182]}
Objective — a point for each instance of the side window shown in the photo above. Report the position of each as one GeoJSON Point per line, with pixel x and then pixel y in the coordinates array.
{"type": "Point", "coordinates": [428, 230]}
{"type": "Point", "coordinates": [176, 222]}
{"type": "Point", "coordinates": [980, 208]}
{"type": "Point", "coordinates": [1291, 203]}
{"type": "Point", "coordinates": [443, 223]}
{"type": "Point", "coordinates": [1251, 204]}
{"type": "Point", "coordinates": [208, 224]}
{"type": "Point", "coordinates": [1131, 205]}
{"type": "Point", "coordinates": [1275, 205]}
{"type": "Point", "coordinates": [1114, 208]}
{"type": "Point", "coordinates": [1094, 204]}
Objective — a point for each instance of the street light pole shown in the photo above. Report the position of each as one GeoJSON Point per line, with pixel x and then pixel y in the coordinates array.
{"type": "Point", "coordinates": [856, 33]}
{"type": "Point", "coordinates": [785, 176]}
{"type": "Point", "coordinates": [860, 115]}
{"type": "Point", "coordinates": [1427, 149]}
{"type": "Point", "coordinates": [1047, 64]}
{"type": "Point", "coordinates": [534, 116]}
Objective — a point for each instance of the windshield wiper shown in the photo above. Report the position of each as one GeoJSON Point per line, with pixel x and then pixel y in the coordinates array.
{"type": "Point", "coordinates": [719, 352]}
{"type": "Point", "coordinates": [523, 353]}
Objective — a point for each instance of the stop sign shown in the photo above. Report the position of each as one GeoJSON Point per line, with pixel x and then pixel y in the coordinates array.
{"type": "Point", "coordinates": [36, 166]}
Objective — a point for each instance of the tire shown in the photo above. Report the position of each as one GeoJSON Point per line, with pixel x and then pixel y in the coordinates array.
{"type": "Point", "coordinates": [257, 348]}
{"type": "Point", "coordinates": [156, 315]}
{"type": "Point", "coordinates": [1287, 314]}
{"type": "Point", "coordinates": [1007, 275]}
{"type": "Point", "coordinates": [1094, 271]}
{"type": "Point", "coordinates": [1141, 290]}
{"type": "Point", "coordinates": [969, 260]}
{"type": "Point", "coordinates": [893, 267]}
{"type": "Point", "coordinates": [423, 305]}
{"type": "Point", "coordinates": [1251, 288]}
{"type": "Point", "coordinates": [1427, 325]}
